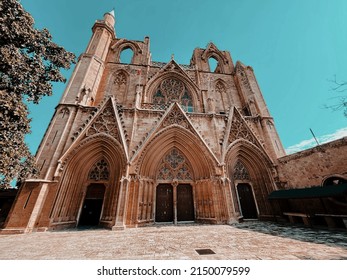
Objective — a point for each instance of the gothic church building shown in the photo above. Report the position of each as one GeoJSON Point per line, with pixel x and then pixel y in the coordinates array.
{"type": "Point", "coordinates": [149, 142]}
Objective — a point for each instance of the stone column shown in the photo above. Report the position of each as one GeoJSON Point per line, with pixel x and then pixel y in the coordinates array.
{"type": "Point", "coordinates": [174, 185]}
{"type": "Point", "coordinates": [120, 213]}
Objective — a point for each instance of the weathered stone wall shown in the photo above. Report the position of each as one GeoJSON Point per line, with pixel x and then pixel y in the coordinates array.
{"type": "Point", "coordinates": [311, 167]}
{"type": "Point", "coordinates": [23, 207]}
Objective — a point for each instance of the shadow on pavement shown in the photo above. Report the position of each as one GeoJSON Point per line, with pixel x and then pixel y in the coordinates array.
{"type": "Point", "coordinates": [318, 236]}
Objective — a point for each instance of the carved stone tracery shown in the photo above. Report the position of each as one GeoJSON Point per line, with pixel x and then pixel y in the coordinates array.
{"type": "Point", "coordinates": [99, 171]}
{"type": "Point", "coordinates": [243, 77]}
{"type": "Point", "coordinates": [220, 87]}
{"type": "Point", "coordinates": [105, 123]}
{"type": "Point", "coordinates": [240, 130]}
{"type": "Point", "coordinates": [64, 112]}
{"type": "Point", "coordinates": [175, 116]}
{"type": "Point", "coordinates": [173, 90]}
{"type": "Point", "coordinates": [174, 167]}
{"type": "Point", "coordinates": [120, 79]}
{"type": "Point", "coordinates": [240, 172]}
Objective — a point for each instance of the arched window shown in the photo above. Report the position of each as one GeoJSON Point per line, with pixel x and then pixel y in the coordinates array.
{"type": "Point", "coordinates": [173, 90]}
{"type": "Point", "coordinates": [213, 64]}
{"type": "Point", "coordinates": [334, 180]}
{"type": "Point", "coordinates": [126, 56]}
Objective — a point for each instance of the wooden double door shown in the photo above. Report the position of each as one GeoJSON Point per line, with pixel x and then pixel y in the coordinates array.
{"type": "Point", "coordinates": [174, 204]}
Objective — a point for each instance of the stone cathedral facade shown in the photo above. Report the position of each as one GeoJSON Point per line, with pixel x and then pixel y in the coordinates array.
{"type": "Point", "coordinates": [145, 142]}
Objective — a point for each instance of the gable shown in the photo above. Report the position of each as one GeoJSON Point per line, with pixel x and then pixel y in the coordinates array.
{"type": "Point", "coordinates": [104, 122]}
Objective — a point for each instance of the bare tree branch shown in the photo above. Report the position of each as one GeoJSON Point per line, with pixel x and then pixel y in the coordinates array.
{"type": "Point", "coordinates": [340, 101]}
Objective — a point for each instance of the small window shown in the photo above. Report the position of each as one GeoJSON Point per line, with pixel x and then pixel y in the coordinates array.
{"type": "Point", "coordinates": [126, 56]}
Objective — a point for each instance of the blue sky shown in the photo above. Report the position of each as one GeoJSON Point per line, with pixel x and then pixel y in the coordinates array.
{"type": "Point", "coordinates": [295, 47]}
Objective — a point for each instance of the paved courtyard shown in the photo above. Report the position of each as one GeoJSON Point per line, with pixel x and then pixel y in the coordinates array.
{"type": "Point", "coordinates": [250, 240]}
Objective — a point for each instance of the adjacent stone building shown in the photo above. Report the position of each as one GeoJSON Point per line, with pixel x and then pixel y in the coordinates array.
{"type": "Point", "coordinates": [133, 144]}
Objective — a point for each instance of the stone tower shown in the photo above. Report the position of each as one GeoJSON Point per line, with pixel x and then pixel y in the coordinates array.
{"type": "Point", "coordinates": [146, 142]}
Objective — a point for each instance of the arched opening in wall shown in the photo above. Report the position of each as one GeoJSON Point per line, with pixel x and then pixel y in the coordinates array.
{"type": "Point", "coordinates": [98, 159]}
{"type": "Point", "coordinates": [126, 56]}
{"type": "Point", "coordinates": [246, 201]}
{"type": "Point", "coordinates": [92, 205]}
{"type": "Point", "coordinates": [334, 180]}
{"type": "Point", "coordinates": [213, 64]}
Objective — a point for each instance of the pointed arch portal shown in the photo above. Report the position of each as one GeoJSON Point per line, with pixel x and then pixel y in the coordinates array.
{"type": "Point", "coordinates": [176, 163]}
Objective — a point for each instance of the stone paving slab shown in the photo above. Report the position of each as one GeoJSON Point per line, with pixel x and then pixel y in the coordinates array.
{"type": "Point", "coordinates": [246, 241]}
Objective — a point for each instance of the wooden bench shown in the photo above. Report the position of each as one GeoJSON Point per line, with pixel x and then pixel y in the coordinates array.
{"type": "Point", "coordinates": [304, 217]}
{"type": "Point", "coordinates": [330, 219]}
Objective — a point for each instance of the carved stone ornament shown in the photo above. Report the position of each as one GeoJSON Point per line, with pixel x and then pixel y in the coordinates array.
{"type": "Point", "coordinates": [240, 130]}
{"type": "Point", "coordinates": [105, 123]}
{"type": "Point", "coordinates": [99, 171]}
{"type": "Point", "coordinates": [120, 79]}
{"type": "Point", "coordinates": [240, 172]}
{"type": "Point", "coordinates": [174, 167]}
{"type": "Point", "coordinates": [243, 77]}
{"type": "Point", "coordinates": [64, 112]}
{"type": "Point", "coordinates": [175, 116]}
{"type": "Point", "coordinates": [172, 88]}
{"type": "Point", "coordinates": [220, 87]}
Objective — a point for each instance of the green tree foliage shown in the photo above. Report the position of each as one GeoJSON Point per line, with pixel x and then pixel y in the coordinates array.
{"type": "Point", "coordinates": [29, 62]}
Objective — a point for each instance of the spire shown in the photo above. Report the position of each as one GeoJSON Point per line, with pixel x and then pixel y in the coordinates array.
{"type": "Point", "coordinates": [112, 13]}
{"type": "Point", "coordinates": [110, 18]}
